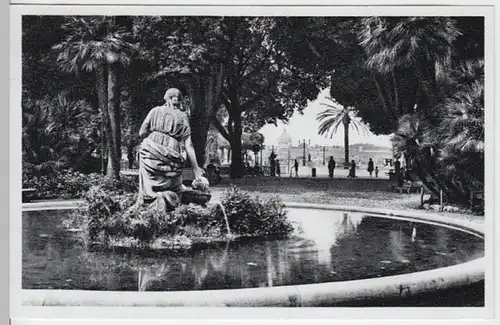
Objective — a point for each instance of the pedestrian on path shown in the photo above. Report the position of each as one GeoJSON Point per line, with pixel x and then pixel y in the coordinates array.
{"type": "Point", "coordinates": [370, 166]}
{"type": "Point", "coordinates": [331, 167]}
{"type": "Point", "coordinates": [352, 170]}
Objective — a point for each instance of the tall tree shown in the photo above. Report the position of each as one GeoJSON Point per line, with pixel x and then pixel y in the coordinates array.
{"type": "Point", "coordinates": [398, 73]}
{"type": "Point", "coordinates": [181, 52]}
{"type": "Point", "coordinates": [98, 45]}
{"type": "Point", "coordinates": [335, 116]}
{"type": "Point", "coordinates": [233, 64]}
{"type": "Point", "coordinates": [400, 65]}
{"type": "Point", "coordinates": [261, 83]}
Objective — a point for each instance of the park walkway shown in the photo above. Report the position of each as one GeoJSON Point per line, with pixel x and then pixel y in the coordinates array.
{"type": "Point", "coordinates": [360, 192]}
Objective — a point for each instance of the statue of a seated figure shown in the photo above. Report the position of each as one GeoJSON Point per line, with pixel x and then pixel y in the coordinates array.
{"type": "Point", "coordinates": [167, 135]}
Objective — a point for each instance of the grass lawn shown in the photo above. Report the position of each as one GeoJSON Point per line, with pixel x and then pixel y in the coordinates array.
{"type": "Point", "coordinates": [361, 192]}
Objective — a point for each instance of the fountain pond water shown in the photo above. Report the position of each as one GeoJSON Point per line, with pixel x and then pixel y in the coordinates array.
{"type": "Point", "coordinates": [326, 246]}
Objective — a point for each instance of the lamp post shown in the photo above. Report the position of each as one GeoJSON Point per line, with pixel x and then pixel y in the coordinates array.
{"type": "Point", "coordinates": [304, 152]}
{"type": "Point", "coordinates": [324, 155]}
{"type": "Point", "coordinates": [289, 161]}
{"type": "Point", "coordinates": [261, 152]}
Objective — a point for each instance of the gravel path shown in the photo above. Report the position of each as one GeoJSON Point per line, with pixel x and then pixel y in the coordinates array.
{"type": "Point", "coordinates": [361, 192]}
{"type": "Point", "coordinates": [374, 193]}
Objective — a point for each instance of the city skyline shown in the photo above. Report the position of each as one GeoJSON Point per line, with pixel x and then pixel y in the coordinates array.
{"type": "Point", "coordinates": [305, 126]}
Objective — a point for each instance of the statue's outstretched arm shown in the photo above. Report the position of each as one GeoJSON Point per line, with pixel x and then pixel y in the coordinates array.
{"type": "Point", "coordinates": [198, 172]}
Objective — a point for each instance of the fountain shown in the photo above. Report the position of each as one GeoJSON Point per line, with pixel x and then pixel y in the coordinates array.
{"type": "Point", "coordinates": [335, 256]}
{"type": "Point", "coordinates": [352, 257]}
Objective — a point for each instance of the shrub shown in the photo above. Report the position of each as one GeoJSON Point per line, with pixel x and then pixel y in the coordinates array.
{"type": "Point", "coordinates": [70, 184]}
{"type": "Point", "coordinates": [107, 217]}
{"type": "Point", "coordinates": [252, 216]}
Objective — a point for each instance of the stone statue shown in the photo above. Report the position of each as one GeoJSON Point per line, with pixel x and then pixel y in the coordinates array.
{"type": "Point", "coordinates": [166, 142]}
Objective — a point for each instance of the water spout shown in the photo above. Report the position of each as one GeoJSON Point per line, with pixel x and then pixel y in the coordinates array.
{"type": "Point", "coordinates": [219, 204]}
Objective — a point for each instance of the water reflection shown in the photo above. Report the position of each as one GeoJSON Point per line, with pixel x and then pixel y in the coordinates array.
{"type": "Point", "coordinates": [325, 247]}
{"type": "Point", "coordinates": [413, 234]}
{"type": "Point", "coordinates": [318, 234]}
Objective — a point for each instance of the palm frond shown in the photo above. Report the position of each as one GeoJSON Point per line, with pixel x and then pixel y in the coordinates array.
{"type": "Point", "coordinates": [90, 40]}
{"type": "Point", "coordinates": [336, 115]}
{"type": "Point", "coordinates": [391, 42]}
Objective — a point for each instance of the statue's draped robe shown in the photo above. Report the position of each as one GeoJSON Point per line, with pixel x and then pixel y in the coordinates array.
{"type": "Point", "coordinates": [161, 159]}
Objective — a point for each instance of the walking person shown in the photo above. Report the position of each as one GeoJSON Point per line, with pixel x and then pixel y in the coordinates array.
{"type": "Point", "coordinates": [397, 172]}
{"type": "Point", "coordinates": [370, 166]}
{"type": "Point", "coordinates": [278, 168]}
{"type": "Point", "coordinates": [331, 167]}
{"type": "Point", "coordinates": [352, 170]}
{"type": "Point", "coordinates": [376, 171]}
{"type": "Point", "coordinates": [296, 167]}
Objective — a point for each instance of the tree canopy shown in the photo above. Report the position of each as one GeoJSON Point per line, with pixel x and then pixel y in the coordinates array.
{"type": "Point", "coordinates": [240, 73]}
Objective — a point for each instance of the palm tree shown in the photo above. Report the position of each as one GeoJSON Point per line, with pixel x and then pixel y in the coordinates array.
{"type": "Point", "coordinates": [413, 139]}
{"type": "Point", "coordinates": [37, 140]}
{"type": "Point", "coordinates": [436, 129]}
{"type": "Point", "coordinates": [335, 116]}
{"type": "Point", "coordinates": [54, 132]}
{"type": "Point", "coordinates": [73, 127]}
{"type": "Point", "coordinates": [98, 45]}
{"type": "Point", "coordinates": [405, 51]}
{"type": "Point", "coordinates": [462, 129]}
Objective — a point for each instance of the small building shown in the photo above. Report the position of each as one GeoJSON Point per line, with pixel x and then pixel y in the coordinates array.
{"type": "Point", "coordinates": [217, 149]}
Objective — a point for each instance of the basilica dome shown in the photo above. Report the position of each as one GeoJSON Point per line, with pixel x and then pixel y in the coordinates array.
{"type": "Point", "coordinates": [284, 141]}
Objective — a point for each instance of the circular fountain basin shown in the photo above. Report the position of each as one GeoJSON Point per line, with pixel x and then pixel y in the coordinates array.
{"type": "Point", "coordinates": [338, 256]}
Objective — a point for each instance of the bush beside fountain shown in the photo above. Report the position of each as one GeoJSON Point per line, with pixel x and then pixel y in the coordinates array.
{"type": "Point", "coordinates": [107, 220]}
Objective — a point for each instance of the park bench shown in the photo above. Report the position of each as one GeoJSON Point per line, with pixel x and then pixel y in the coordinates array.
{"type": "Point", "coordinates": [413, 187]}
{"type": "Point", "coordinates": [27, 194]}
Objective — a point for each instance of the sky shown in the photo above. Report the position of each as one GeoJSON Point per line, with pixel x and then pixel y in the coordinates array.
{"type": "Point", "coordinates": [305, 127]}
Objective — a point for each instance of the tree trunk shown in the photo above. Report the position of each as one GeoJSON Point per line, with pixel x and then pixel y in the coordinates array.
{"type": "Point", "coordinates": [102, 95]}
{"type": "Point", "coordinates": [103, 143]}
{"type": "Point", "coordinates": [397, 105]}
{"type": "Point", "coordinates": [114, 141]}
{"type": "Point", "coordinates": [199, 119]}
{"type": "Point", "coordinates": [425, 78]}
{"type": "Point", "coordinates": [236, 156]}
{"type": "Point", "coordinates": [346, 143]}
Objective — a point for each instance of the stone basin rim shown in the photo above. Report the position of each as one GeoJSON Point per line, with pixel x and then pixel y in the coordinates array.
{"type": "Point", "coordinates": [310, 295]}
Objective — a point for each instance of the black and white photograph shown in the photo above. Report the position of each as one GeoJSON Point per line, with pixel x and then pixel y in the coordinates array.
{"type": "Point", "coordinates": [238, 159]}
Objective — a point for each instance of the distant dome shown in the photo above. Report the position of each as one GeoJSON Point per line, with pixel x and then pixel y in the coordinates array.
{"type": "Point", "coordinates": [285, 140]}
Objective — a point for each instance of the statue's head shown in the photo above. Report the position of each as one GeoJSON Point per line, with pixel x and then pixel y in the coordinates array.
{"type": "Point", "coordinates": [173, 97]}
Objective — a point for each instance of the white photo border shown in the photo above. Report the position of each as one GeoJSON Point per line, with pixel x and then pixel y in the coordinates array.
{"type": "Point", "coordinates": [27, 315]}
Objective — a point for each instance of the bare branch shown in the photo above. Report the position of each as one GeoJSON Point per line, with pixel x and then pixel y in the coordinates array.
{"type": "Point", "coordinates": [217, 124]}
{"type": "Point", "coordinates": [313, 49]}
